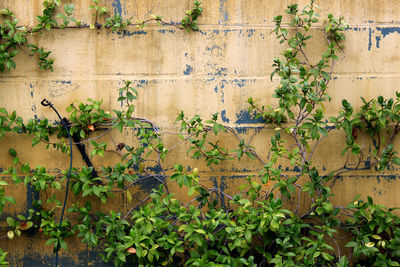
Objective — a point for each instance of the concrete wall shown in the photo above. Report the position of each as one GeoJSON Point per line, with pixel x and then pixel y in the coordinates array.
{"type": "Point", "coordinates": [213, 70]}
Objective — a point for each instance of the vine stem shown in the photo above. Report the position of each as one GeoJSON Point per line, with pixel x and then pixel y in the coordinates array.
{"type": "Point", "coordinates": [134, 207]}
{"type": "Point", "coordinates": [99, 25]}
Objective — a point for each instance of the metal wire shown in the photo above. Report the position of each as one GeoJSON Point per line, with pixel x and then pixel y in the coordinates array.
{"type": "Point", "coordinates": [49, 104]}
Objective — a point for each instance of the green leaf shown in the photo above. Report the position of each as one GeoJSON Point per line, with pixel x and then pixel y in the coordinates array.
{"type": "Point", "coordinates": [10, 221]}
{"type": "Point", "coordinates": [396, 160]}
{"type": "Point", "coordinates": [327, 256]}
{"type": "Point", "coordinates": [10, 64]}
{"type": "Point", "coordinates": [248, 236]}
{"type": "Point", "coordinates": [191, 191]}
{"type": "Point", "coordinates": [12, 152]}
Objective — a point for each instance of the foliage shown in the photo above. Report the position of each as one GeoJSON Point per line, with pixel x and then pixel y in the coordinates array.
{"type": "Point", "coordinates": [255, 227]}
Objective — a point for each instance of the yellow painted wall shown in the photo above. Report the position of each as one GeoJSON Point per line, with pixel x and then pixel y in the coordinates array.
{"type": "Point", "coordinates": [213, 70]}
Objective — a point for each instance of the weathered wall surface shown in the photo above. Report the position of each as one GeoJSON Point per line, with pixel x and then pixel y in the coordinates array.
{"type": "Point", "coordinates": [213, 70]}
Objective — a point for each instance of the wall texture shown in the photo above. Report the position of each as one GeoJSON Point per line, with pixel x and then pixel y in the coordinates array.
{"type": "Point", "coordinates": [213, 70]}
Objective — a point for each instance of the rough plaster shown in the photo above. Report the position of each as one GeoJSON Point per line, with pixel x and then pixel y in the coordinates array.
{"type": "Point", "coordinates": [213, 70]}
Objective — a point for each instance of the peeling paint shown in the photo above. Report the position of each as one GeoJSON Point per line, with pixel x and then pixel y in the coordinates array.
{"type": "Point", "coordinates": [224, 15]}
{"type": "Point", "coordinates": [370, 39]}
{"type": "Point", "coordinates": [126, 33]}
{"type": "Point", "coordinates": [221, 72]}
{"type": "Point", "coordinates": [382, 32]}
{"type": "Point", "coordinates": [223, 116]}
{"type": "Point", "coordinates": [63, 82]}
{"type": "Point", "coordinates": [244, 117]}
{"type": "Point", "coordinates": [378, 39]}
{"type": "Point", "coordinates": [60, 87]}
{"type": "Point", "coordinates": [385, 31]}
{"type": "Point", "coordinates": [241, 83]}
{"type": "Point", "coordinates": [250, 32]}
{"type": "Point", "coordinates": [213, 48]}
{"type": "Point", "coordinates": [188, 70]}
{"type": "Point", "coordinates": [163, 31]}
{"type": "Point", "coordinates": [117, 7]}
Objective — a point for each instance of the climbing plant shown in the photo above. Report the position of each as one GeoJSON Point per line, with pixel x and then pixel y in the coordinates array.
{"type": "Point", "coordinates": [254, 227]}
{"type": "Point", "coordinates": [14, 37]}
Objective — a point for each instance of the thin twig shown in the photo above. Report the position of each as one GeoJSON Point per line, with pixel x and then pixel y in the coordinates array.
{"type": "Point", "coordinates": [134, 207]}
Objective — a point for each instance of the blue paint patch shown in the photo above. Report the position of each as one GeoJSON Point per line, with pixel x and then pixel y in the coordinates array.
{"type": "Point", "coordinates": [329, 127]}
{"type": "Point", "coordinates": [216, 89]}
{"type": "Point", "coordinates": [244, 117]}
{"type": "Point", "coordinates": [165, 31]}
{"type": "Point", "coordinates": [370, 39]}
{"type": "Point", "coordinates": [125, 33]}
{"type": "Point", "coordinates": [296, 169]}
{"type": "Point", "coordinates": [188, 70]}
{"type": "Point", "coordinates": [242, 130]}
{"type": "Point", "coordinates": [223, 186]}
{"type": "Point", "coordinates": [223, 116]}
{"type": "Point", "coordinates": [202, 32]}
{"type": "Point", "coordinates": [388, 30]}
{"type": "Point", "coordinates": [186, 54]}
{"type": "Point", "coordinates": [150, 183]}
{"type": "Point", "coordinates": [378, 39]}
{"type": "Point", "coordinates": [31, 94]}
{"type": "Point", "coordinates": [31, 197]}
{"type": "Point", "coordinates": [356, 29]}
{"type": "Point", "coordinates": [383, 32]}
{"type": "Point", "coordinates": [122, 101]}
{"type": "Point", "coordinates": [221, 72]}
{"type": "Point", "coordinates": [224, 15]}
{"type": "Point", "coordinates": [117, 7]}
{"type": "Point", "coordinates": [250, 32]}
{"type": "Point", "coordinates": [63, 82]}
{"type": "Point", "coordinates": [30, 85]}
{"type": "Point", "coordinates": [387, 178]}
{"type": "Point", "coordinates": [367, 164]}
{"type": "Point", "coordinates": [213, 48]}
{"type": "Point", "coordinates": [241, 83]}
